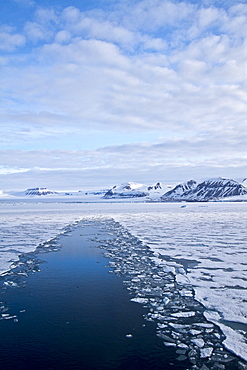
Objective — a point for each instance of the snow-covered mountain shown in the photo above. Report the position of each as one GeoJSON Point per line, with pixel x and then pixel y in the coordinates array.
{"type": "Point", "coordinates": [45, 195]}
{"type": "Point", "coordinates": [208, 190]}
{"type": "Point", "coordinates": [36, 192]}
{"type": "Point", "coordinates": [179, 190]}
{"type": "Point", "coordinates": [212, 189]}
{"type": "Point", "coordinates": [134, 190]}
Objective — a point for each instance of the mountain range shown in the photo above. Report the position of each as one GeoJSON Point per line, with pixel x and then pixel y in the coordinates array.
{"type": "Point", "coordinates": [39, 192]}
{"type": "Point", "coordinates": [135, 190]}
{"type": "Point", "coordinates": [209, 190]}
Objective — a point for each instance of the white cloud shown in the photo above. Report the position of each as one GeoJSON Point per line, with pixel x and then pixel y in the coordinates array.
{"type": "Point", "coordinates": [208, 16]}
{"type": "Point", "coordinates": [151, 15]}
{"type": "Point", "coordinates": [238, 9]}
{"type": "Point", "coordinates": [155, 44]}
{"type": "Point", "coordinates": [46, 16]}
{"type": "Point", "coordinates": [91, 82]}
{"type": "Point", "coordinates": [175, 68]}
{"type": "Point", "coordinates": [62, 37]}
{"type": "Point", "coordinates": [5, 170]}
{"type": "Point", "coordinates": [43, 27]}
{"type": "Point", "coordinates": [104, 30]}
{"type": "Point", "coordinates": [36, 32]}
{"type": "Point", "coordinates": [9, 41]}
{"type": "Point", "coordinates": [71, 14]}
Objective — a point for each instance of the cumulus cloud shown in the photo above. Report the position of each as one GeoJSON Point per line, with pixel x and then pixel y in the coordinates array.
{"type": "Point", "coordinates": [151, 15]}
{"type": "Point", "coordinates": [134, 89]}
{"type": "Point", "coordinates": [43, 27]}
{"type": "Point", "coordinates": [36, 31]}
{"type": "Point", "coordinates": [9, 40]}
{"type": "Point", "coordinates": [174, 69]}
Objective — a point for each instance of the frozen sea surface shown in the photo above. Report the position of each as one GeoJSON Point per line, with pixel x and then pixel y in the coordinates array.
{"type": "Point", "coordinates": [187, 264]}
{"type": "Point", "coordinates": [205, 247]}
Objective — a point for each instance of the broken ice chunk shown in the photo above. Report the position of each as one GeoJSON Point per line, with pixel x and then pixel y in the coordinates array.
{"type": "Point", "coordinates": [139, 300]}
{"type": "Point", "coordinates": [166, 300]}
{"type": "Point", "coordinates": [183, 345]}
{"type": "Point", "coordinates": [206, 352]}
{"type": "Point", "coordinates": [195, 332]}
{"type": "Point", "coordinates": [170, 344]}
{"type": "Point", "coordinates": [183, 314]}
{"type": "Point", "coordinates": [9, 283]}
{"type": "Point", "coordinates": [199, 342]}
{"type": "Point", "coordinates": [181, 358]}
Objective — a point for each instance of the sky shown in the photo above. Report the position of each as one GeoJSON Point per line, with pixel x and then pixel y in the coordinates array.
{"type": "Point", "coordinates": [98, 93]}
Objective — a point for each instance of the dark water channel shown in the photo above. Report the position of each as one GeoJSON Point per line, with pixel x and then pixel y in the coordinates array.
{"type": "Point", "coordinates": [74, 314]}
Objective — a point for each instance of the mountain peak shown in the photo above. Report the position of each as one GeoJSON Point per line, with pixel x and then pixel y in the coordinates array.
{"type": "Point", "coordinates": [134, 190]}
{"type": "Point", "coordinates": [38, 191]}
{"type": "Point", "coordinates": [179, 190]}
{"type": "Point", "coordinates": [211, 189]}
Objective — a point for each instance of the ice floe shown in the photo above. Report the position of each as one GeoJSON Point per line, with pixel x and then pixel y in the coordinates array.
{"type": "Point", "coordinates": [205, 248]}
{"type": "Point", "coordinates": [180, 319]}
{"type": "Point", "coordinates": [187, 266]}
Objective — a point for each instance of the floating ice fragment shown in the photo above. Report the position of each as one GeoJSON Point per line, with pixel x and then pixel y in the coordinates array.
{"type": "Point", "coordinates": [183, 314]}
{"type": "Point", "coordinates": [206, 352]}
{"type": "Point", "coordinates": [204, 367]}
{"type": "Point", "coordinates": [166, 300]}
{"type": "Point", "coordinates": [181, 358]}
{"type": "Point", "coordinates": [195, 332]}
{"type": "Point", "coordinates": [165, 337]}
{"type": "Point", "coordinates": [135, 280]}
{"type": "Point", "coordinates": [181, 351]}
{"type": "Point", "coordinates": [9, 283]}
{"type": "Point", "coordinates": [139, 300]}
{"type": "Point", "coordinates": [192, 353]}
{"type": "Point", "coordinates": [10, 317]}
{"type": "Point", "coordinates": [203, 324]}
{"type": "Point", "coordinates": [179, 326]}
{"type": "Point", "coordinates": [161, 326]}
{"type": "Point", "coordinates": [199, 342]}
{"type": "Point", "coordinates": [170, 344]}
{"type": "Point", "coordinates": [186, 293]}
{"type": "Point", "coordinates": [183, 345]}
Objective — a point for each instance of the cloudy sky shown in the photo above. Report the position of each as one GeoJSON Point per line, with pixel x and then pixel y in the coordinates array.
{"type": "Point", "coordinates": [96, 93]}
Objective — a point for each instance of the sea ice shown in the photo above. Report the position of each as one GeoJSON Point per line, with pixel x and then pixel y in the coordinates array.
{"type": "Point", "coordinates": [206, 352]}
{"type": "Point", "coordinates": [140, 300]}
{"type": "Point", "coordinates": [199, 253]}
{"type": "Point", "coordinates": [184, 314]}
